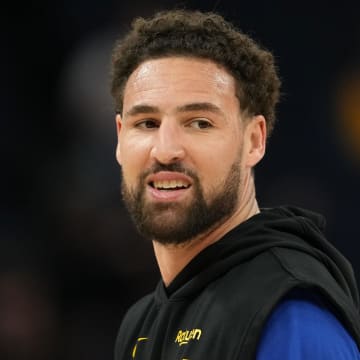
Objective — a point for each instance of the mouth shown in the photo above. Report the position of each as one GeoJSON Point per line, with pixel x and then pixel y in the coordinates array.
{"type": "Point", "coordinates": [169, 185]}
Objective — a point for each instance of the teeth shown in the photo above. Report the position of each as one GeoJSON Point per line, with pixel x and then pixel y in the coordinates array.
{"type": "Point", "coordinates": [170, 184]}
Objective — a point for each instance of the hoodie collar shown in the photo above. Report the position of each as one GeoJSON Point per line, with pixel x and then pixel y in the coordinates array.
{"type": "Point", "coordinates": [289, 227]}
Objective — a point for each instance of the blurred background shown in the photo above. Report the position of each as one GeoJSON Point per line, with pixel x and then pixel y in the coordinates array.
{"type": "Point", "coordinates": [70, 260]}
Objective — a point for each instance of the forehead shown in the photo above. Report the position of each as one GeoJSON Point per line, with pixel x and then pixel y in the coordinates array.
{"type": "Point", "coordinates": [179, 78]}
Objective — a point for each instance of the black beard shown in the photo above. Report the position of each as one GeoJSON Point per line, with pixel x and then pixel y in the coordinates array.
{"type": "Point", "coordinates": [172, 223]}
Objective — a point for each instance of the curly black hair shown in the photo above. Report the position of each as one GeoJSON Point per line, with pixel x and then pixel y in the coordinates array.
{"type": "Point", "coordinates": [201, 35]}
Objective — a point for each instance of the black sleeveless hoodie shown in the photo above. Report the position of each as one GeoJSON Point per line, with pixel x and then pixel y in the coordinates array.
{"type": "Point", "coordinates": [217, 306]}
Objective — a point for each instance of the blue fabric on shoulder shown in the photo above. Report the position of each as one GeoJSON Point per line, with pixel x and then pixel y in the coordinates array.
{"type": "Point", "coordinates": [301, 327]}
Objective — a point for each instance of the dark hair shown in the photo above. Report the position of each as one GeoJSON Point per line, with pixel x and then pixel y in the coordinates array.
{"type": "Point", "coordinates": [201, 35]}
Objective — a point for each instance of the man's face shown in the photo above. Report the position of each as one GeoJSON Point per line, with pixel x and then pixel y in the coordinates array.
{"type": "Point", "coordinates": [180, 147]}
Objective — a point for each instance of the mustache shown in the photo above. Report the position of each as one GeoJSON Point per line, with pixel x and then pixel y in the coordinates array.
{"type": "Point", "coordinates": [175, 167]}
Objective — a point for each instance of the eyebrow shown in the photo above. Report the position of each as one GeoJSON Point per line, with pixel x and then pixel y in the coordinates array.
{"type": "Point", "coordinates": [142, 109]}
{"type": "Point", "coordinates": [202, 106]}
{"type": "Point", "coordinates": [198, 106]}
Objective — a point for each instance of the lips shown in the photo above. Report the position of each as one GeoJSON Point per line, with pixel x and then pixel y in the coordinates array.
{"type": "Point", "coordinates": [169, 180]}
{"type": "Point", "coordinates": [168, 185]}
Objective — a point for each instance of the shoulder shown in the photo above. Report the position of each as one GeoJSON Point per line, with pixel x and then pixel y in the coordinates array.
{"type": "Point", "coordinates": [303, 327]}
{"type": "Point", "coordinates": [133, 320]}
{"type": "Point", "coordinates": [131, 325]}
{"type": "Point", "coordinates": [137, 311]}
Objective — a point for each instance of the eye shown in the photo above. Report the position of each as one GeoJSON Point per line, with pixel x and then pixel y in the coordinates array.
{"type": "Point", "coordinates": [147, 124]}
{"type": "Point", "coordinates": [201, 124]}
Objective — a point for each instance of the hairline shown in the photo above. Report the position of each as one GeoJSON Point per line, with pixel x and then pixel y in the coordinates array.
{"type": "Point", "coordinates": [237, 82]}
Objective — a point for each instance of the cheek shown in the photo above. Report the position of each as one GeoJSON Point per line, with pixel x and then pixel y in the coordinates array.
{"type": "Point", "coordinates": [214, 165]}
{"type": "Point", "coordinates": [133, 157]}
{"type": "Point", "coordinates": [219, 164]}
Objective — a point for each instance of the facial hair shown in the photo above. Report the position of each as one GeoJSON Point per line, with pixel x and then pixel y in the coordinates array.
{"type": "Point", "coordinates": [178, 223]}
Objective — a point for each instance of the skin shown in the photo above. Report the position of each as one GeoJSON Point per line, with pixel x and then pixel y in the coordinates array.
{"type": "Point", "coordinates": [165, 121]}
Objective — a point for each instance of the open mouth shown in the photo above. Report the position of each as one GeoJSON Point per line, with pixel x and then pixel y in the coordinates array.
{"type": "Point", "coordinates": [169, 185]}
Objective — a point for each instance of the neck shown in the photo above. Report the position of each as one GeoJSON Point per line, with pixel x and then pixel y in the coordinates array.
{"type": "Point", "coordinates": [173, 258]}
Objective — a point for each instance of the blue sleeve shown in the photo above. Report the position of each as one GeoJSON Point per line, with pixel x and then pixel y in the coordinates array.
{"type": "Point", "coordinates": [302, 328]}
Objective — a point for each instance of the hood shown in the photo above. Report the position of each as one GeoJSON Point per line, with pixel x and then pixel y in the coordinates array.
{"type": "Point", "coordinates": [286, 227]}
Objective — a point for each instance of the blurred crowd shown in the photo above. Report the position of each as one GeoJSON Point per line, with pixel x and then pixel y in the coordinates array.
{"type": "Point", "coordinates": [70, 260]}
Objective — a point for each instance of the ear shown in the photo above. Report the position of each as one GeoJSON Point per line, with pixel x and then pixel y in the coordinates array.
{"type": "Point", "coordinates": [118, 129]}
{"type": "Point", "coordinates": [254, 140]}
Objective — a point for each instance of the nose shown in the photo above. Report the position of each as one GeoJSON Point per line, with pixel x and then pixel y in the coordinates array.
{"type": "Point", "coordinates": [168, 144]}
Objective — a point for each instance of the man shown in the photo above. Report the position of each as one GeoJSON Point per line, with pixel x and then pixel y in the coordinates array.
{"type": "Point", "coordinates": [195, 104]}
